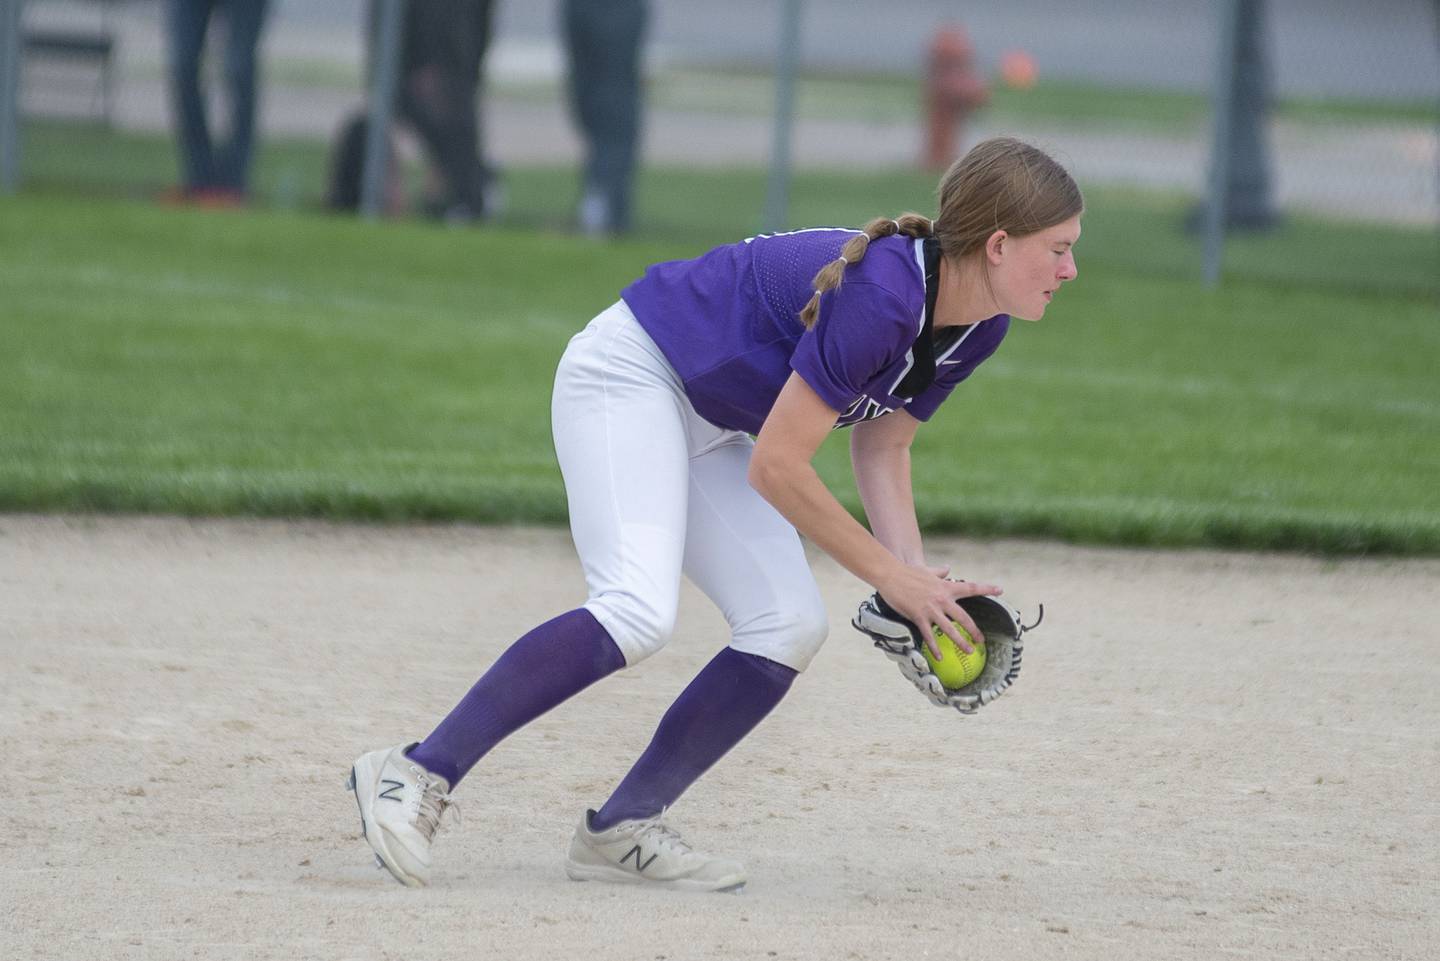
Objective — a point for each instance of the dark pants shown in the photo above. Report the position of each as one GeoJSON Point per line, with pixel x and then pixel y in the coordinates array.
{"type": "Point", "coordinates": [604, 38]}
{"type": "Point", "coordinates": [442, 47]}
{"type": "Point", "coordinates": [206, 164]}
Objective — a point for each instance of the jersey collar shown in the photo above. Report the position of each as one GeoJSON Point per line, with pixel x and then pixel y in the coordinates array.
{"type": "Point", "coordinates": [921, 371]}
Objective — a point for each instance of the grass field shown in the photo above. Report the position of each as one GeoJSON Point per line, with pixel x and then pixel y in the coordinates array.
{"type": "Point", "coordinates": [287, 363]}
{"type": "Point", "coordinates": [1141, 232]}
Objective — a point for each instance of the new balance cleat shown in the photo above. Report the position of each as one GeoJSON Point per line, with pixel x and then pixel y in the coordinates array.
{"type": "Point", "coordinates": [401, 808]}
{"type": "Point", "coordinates": [647, 852]}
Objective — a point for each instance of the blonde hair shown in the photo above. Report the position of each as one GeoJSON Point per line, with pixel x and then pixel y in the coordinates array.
{"type": "Point", "coordinates": [1000, 184]}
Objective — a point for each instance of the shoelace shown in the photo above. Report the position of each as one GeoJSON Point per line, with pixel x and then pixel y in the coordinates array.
{"type": "Point", "coordinates": [666, 835]}
{"type": "Point", "coordinates": [434, 803]}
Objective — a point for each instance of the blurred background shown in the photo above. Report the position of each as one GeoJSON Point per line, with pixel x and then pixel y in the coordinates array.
{"type": "Point", "coordinates": [1249, 359]}
{"type": "Point", "coordinates": [1121, 90]}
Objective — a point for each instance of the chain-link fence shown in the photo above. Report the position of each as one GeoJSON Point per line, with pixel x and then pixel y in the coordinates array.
{"type": "Point", "coordinates": [1122, 91]}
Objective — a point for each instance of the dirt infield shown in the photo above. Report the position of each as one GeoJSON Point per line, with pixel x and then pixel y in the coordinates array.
{"type": "Point", "coordinates": [180, 702]}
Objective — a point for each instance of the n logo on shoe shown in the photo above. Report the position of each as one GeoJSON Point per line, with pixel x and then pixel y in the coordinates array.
{"type": "Point", "coordinates": [389, 793]}
{"type": "Point", "coordinates": [639, 868]}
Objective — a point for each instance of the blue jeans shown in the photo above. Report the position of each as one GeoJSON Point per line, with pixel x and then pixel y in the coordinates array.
{"type": "Point", "coordinates": [603, 40]}
{"type": "Point", "coordinates": [207, 165]}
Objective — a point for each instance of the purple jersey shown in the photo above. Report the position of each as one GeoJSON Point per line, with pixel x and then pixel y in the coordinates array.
{"type": "Point", "coordinates": [728, 322]}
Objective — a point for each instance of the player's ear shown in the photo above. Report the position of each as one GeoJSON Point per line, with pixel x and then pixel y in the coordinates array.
{"type": "Point", "coordinates": [995, 247]}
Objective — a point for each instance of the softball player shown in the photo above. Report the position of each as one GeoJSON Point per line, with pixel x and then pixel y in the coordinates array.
{"type": "Point", "coordinates": [782, 337]}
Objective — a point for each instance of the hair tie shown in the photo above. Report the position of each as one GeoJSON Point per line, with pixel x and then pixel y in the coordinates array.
{"type": "Point", "coordinates": [897, 225]}
{"type": "Point", "coordinates": [843, 261]}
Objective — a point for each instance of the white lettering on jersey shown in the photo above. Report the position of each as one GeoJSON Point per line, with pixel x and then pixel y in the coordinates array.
{"type": "Point", "coordinates": [864, 408]}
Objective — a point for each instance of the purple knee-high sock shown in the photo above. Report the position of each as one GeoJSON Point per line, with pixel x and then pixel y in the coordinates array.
{"type": "Point", "coordinates": [723, 704]}
{"type": "Point", "coordinates": [553, 662]}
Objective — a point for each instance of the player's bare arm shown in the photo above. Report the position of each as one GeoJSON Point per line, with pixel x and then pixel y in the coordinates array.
{"type": "Point", "coordinates": [781, 470]}
{"type": "Point", "coordinates": [880, 458]}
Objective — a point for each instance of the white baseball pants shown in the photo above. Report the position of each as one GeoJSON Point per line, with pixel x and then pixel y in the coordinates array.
{"type": "Point", "coordinates": [655, 489]}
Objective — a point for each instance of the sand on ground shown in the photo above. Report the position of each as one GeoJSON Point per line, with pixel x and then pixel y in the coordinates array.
{"type": "Point", "coordinates": [1208, 755]}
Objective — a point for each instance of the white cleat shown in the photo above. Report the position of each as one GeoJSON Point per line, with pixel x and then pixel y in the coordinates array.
{"type": "Point", "coordinates": [647, 852]}
{"type": "Point", "coordinates": [401, 807]}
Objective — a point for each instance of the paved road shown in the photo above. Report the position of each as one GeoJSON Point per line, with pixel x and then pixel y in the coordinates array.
{"type": "Point", "coordinates": [1368, 48]}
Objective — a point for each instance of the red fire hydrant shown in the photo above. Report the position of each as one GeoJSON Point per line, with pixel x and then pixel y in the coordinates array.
{"type": "Point", "coordinates": [953, 90]}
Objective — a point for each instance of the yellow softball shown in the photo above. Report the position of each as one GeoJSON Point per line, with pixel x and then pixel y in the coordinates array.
{"type": "Point", "coordinates": [955, 668]}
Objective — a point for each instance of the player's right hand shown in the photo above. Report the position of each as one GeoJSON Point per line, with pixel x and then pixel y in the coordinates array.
{"type": "Point", "coordinates": [927, 599]}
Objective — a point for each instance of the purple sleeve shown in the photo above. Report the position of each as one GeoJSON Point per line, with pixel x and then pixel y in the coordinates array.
{"type": "Point", "coordinates": [862, 327]}
{"type": "Point", "coordinates": [971, 354]}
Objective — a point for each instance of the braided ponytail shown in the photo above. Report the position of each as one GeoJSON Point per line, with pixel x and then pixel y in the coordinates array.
{"type": "Point", "coordinates": [1000, 184]}
{"type": "Point", "coordinates": [830, 276]}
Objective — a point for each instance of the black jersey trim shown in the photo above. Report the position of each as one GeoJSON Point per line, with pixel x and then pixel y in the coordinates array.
{"type": "Point", "coordinates": [925, 351]}
{"type": "Point", "coordinates": [922, 371]}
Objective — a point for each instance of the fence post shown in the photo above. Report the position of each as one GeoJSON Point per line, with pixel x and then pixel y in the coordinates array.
{"type": "Point", "coordinates": [1239, 193]}
{"type": "Point", "coordinates": [382, 102]}
{"type": "Point", "coordinates": [1249, 205]}
{"type": "Point", "coordinates": [777, 192]}
{"type": "Point", "coordinates": [1223, 101]}
{"type": "Point", "coordinates": [10, 21]}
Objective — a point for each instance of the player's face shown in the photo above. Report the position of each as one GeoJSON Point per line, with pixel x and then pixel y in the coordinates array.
{"type": "Point", "coordinates": [1026, 272]}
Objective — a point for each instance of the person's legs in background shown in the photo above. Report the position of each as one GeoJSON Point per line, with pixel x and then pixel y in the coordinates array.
{"type": "Point", "coordinates": [478, 192]}
{"type": "Point", "coordinates": [444, 46]}
{"type": "Point", "coordinates": [604, 39]}
{"type": "Point", "coordinates": [188, 22]}
{"type": "Point", "coordinates": [244, 20]}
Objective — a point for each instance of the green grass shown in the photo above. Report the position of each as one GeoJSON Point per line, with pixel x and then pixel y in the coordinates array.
{"type": "Point", "coordinates": [694, 209]}
{"type": "Point", "coordinates": [284, 363]}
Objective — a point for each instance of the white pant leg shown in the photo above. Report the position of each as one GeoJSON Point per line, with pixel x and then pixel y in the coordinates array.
{"type": "Point", "coordinates": [749, 560]}
{"type": "Point", "coordinates": [624, 432]}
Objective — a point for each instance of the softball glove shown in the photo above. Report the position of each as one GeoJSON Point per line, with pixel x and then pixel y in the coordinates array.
{"type": "Point", "coordinates": [901, 641]}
